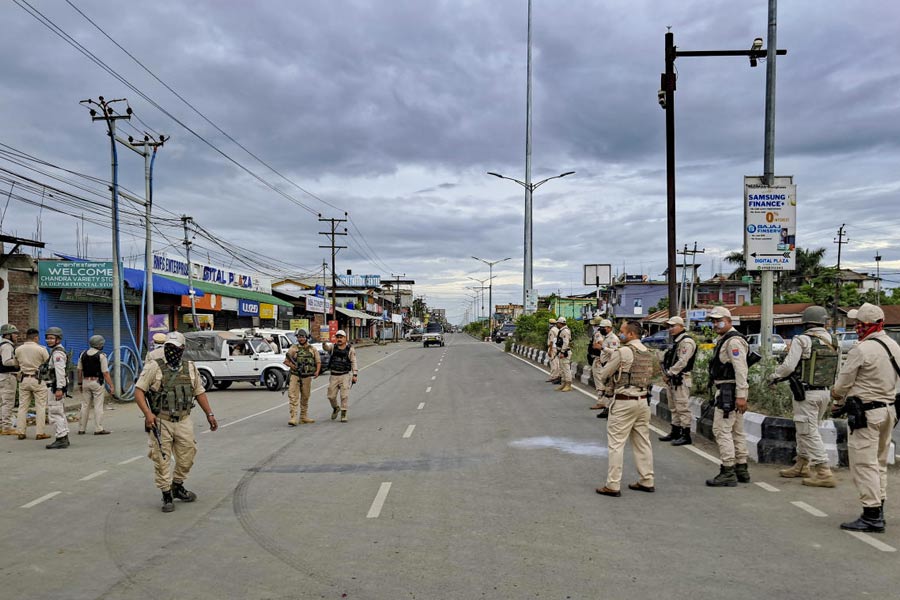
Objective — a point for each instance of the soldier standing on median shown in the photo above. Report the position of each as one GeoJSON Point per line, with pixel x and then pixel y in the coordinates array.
{"type": "Point", "coordinates": [9, 370]}
{"type": "Point", "coordinates": [305, 364]}
{"type": "Point", "coordinates": [606, 342]}
{"type": "Point", "coordinates": [165, 393]}
{"type": "Point", "coordinates": [627, 375]}
{"type": "Point", "coordinates": [728, 371]}
{"type": "Point", "coordinates": [343, 373]}
{"type": "Point", "coordinates": [563, 347]}
{"type": "Point", "coordinates": [31, 356]}
{"type": "Point", "coordinates": [552, 353]}
{"type": "Point", "coordinates": [812, 364]}
{"type": "Point", "coordinates": [677, 366]}
{"type": "Point", "coordinates": [865, 391]}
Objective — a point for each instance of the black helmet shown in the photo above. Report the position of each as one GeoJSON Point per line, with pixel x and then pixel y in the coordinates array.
{"type": "Point", "coordinates": [96, 342]}
{"type": "Point", "coordinates": [54, 331]}
{"type": "Point", "coordinates": [302, 333]}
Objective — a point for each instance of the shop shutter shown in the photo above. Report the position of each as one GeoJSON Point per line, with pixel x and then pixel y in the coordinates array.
{"type": "Point", "coordinates": [102, 317]}
{"type": "Point", "coordinates": [72, 317]}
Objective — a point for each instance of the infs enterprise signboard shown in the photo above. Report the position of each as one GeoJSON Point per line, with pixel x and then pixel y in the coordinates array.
{"type": "Point", "coordinates": [770, 224]}
{"type": "Point", "coordinates": [175, 265]}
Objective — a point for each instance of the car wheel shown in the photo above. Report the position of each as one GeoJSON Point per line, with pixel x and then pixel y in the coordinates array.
{"type": "Point", "coordinates": [274, 379]}
{"type": "Point", "coordinates": [206, 380]}
{"type": "Point", "coordinates": [223, 385]}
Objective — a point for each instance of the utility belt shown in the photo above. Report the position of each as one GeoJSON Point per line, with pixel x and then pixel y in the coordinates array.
{"type": "Point", "coordinates": [624, 397]}
{"type": "Point", "coordinates": [87, 378]}
{"type": "Point", "coordinates": [726, 399]}
{"type": "Point", "coordinates": [856, 409]}
{"type": "Point", "coordinates": [678, 380]}
{"type": "Point", "coordinates": [173, 418]}
{"type": "Point", "coordinates": [814, 387]}
{"type": "Point", "coordinates": [339, 372]}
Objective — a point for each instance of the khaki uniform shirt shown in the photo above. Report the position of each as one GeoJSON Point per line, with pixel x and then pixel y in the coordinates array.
{"type": "Point", "coordinates": [566, 334]}
{"type": "Point", "coordinates": [156, 353]}
{"type": "Point", "coordinates": [59, 365]}
{"type": "Point", "coordinates": [328, 347]}
{"type": "Point", "coordinates": [104, 362]}
{"type": "Point", "coordinates": [551, 337]}
{"type": "Point", "coordinates": [152, 376]}
{"type": "Point", "coordinates": [31, 356]}
{"type": "Point", "coordinates": [620, 362]}
{"type": "Point", "coordinates": [610, 345]}
{"type": "Point", "coordinates": [7, 357]}
{"type": "Point", "coordinates": [735, 351]}
{"type": "Point", "coordinates": [801, 346]}
{"type": "Point", "coordinates": [867, 373]}
{"type": "Point", "coordinates": [687, 347]}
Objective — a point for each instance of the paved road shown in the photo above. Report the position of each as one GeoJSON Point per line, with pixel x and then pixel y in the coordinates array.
{"type": "Point", "coordinates": [460, 475]}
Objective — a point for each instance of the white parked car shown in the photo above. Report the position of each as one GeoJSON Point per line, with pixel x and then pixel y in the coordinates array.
{"type": "Point", "coordinates": [847, 340]}
{"type": "Point", "coordinates": [779, 346]}
{"type": "Point", "coordinates": [222, 357]}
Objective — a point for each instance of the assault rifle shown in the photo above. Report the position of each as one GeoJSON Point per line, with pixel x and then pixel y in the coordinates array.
{"type": "Point", "coordinates": [797, 389]}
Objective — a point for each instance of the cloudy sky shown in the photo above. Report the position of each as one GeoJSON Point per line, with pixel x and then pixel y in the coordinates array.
{"type": "Point", "coordinates": [395, 110]}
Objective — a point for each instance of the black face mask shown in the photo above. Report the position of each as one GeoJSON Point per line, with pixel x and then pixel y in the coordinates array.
{"type": "Point", "coordinates": [173, 355]}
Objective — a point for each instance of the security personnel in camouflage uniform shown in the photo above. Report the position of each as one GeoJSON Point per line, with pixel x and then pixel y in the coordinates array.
{"type": "Point", "coordinates": [305, 364]}
{"type": "Point", "coordinates": [9, 370]}
{"type": "Point", "coordinates": [677, 366]}
{"type": "Point", "coordinates": [555, 376]}
{"type": "Point", "coordinates": [728, 371]}
{"type": "Point", "coordinates": [563, 348]}
{"type": "Point", "coordinates": [627, 375]}
{"type": "Point", "coordinates": [343, 374]}
{"type": "Point", "coordinates": [165, 393]}
{"type": "Point", "coordinates": [58, 383]}
{"type": "Point", "coordinates": [812, 364]}
{"type": "Point", "coordinates": [31, 356]}
{"type": "Point", "coordinates": [604, 343]}
{"type": "Point", "coordinates": [866, 388]}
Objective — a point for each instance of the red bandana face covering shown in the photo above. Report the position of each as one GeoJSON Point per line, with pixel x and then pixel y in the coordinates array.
{"type": "Point", "coordinates": [864, 330]}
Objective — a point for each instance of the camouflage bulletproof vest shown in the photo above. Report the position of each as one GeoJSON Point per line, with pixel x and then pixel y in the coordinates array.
{"type": "Point", "coordinates": [176, 393]}
{"type": "Point", "coordinates": [304, 361]}
{"type": "Point", "coordinates": [641, 369]}
{"type": "Point", "coordinates": [820, 369]}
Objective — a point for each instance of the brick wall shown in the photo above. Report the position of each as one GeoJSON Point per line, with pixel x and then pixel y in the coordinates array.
{"type": "Point", "coordinates": [23, 304]}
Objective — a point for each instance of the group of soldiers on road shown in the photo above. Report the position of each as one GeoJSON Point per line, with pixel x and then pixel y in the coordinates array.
{"type": "Point", "coordinates": [305, 364]}
{"type": "Point", "coordinates": [863, 388]}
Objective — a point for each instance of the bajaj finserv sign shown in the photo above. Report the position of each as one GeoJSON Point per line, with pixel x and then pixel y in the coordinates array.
{"type": "Point", "coordinates": [248, 308]}
{"type": "Point", "coordinates": [75, 275]}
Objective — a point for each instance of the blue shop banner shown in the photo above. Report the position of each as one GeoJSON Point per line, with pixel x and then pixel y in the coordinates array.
{"type": "Point", "coordinates": [248, 308]}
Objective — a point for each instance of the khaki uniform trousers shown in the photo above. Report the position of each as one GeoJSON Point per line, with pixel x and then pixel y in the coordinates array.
{"type": "Point", "coordinates": [93, 396]}
{"type": "Point", "coordinates": [602, 398]}
{"type": "Point", "coordinates": [807, 416]}
{"type": "Point", "coordinates": [177, 441]}
{"type": "Point", "coordinates": [730, 437]}
{"type": "Point", "coordinates": [629, 420]}
{"type": "Point", "coordinates": [298, 395]}
{"type": "Point", "coordinates": [554, 364]}
{"type": "Point", "coordinates": [565, 367]}
{"type": "Point", "coordinates": [679, 400]}
{"type": "Point", "coordinates": [342, 383]}
{"type": "Point", "coordinates": [56, 414]}
{"type": "Point", "coordinates": [867, 450]}
{"type": "Point", "coordinates": [32, 389]}
{"type": "Point", "coordinates": [7, 399]}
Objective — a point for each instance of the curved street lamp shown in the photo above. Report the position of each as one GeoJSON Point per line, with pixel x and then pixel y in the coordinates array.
{"type": "Point", "coordinates": [490, 264]}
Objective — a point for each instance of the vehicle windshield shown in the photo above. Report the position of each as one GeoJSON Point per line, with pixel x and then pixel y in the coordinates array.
{"type": "Point", "coordinates": [777, 339]}
{"type": "Point", "coordinates": [291, 337]}
{"type": "Point", "coordinates": [434, 328]}
{"type": "Point", "coordinates": [850, 335]}
{"type": "Point", "coordinates": [508, 327]}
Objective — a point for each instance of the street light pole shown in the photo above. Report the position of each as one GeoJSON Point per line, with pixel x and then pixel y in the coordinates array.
{"type": "Point", "coordinates": [490, 264]}
{"type": "Point", "coordinates": [528, 279]}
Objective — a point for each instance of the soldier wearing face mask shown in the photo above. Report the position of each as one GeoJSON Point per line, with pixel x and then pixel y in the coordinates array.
{"type": "Point", "coordinates": [165, 393]}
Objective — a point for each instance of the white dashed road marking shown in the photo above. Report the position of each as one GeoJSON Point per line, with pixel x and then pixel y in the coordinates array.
{"type": "Point", "coordinates": [864, 537]}
{"type": "Point", "coordinates": [810, 509]}
{"type": "Point", "coordinates": [433, 377]}
{"type": "Point", "coordinates": [421, 406]}
{"type": "Point", "coordinates": [41, 499]}
{"type": "Point", "coordinates": [436, 370]}
{"type": "Point", "coordinates": [408, 431]}
{"type": "Point", "coordinates": [131, 460]}
{"type": "Point", "coordinates": [767, 487]}
{"type": "Point", "coordinates": [378, 502]}
{"type": "Point", "coordinates": [428, 390]}
{"type": "Point", "coordinates": [92, 475]}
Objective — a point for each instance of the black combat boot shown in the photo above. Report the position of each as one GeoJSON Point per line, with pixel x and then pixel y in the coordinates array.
{"type": "Point", "coordinates": [168, 503]}
{"type": "Point", "coordinates": [725, 478]}
{"type": "Point", "coordinates": [182, 494]}
{"type": "Point", "coordinates": [673, 435]}
{"type": "Point", "coordinates": [742, 472]}
{"type": "Point", "coordinates": [684, 439]}
{"type": "Point", "coordinates": [58, 443]}
{"type": "Point", "coordinates": [603, 413]}
{"type": "Point", "coordinates": [871, 521]}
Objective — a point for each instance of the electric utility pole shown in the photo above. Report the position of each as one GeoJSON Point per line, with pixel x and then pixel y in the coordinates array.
{"type": "Point", "coordinates": [149, 147]}
{"type": "Point", "coordinates": [840, 241]}
{"type": "Point", "coordinates": [687, 290]}
{"type": "Point", "coordinates": [397, 308]}
{"type": "Point", "coordinates": [187, 247]}
{"type": "Point", "coordinates": [332, 236]}
{"type": "Point", "coordinates": [108, 114]}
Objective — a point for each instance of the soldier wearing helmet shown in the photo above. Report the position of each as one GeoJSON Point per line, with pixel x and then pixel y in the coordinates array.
{"type": "Point", "coordinates": [31, 356]}
{"type": "Point", "coordinates": [605, 342]}
{"type": "Point", "coordinates": [8, 382]}
{"type": "Point", "coordinates": [304, 362]}
{"type": "Point", "coordinates": [552, 334]}
{"type": "Point", "coordinates": [812, 362]}
{"type": "Point", "coordinates": [92, 371]}
{"type": "Point", "coordinates": [678, 364]}
{"type": "Point", "coordinates": [563, 343]}
{"type": "Point", "coordinates": [865, 390]}
{"type": "Point", "coordinates": [59, 386]}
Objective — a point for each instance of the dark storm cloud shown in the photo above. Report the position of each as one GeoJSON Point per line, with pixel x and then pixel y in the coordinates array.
{"type": "Point", "coordinates": [395, 111]}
